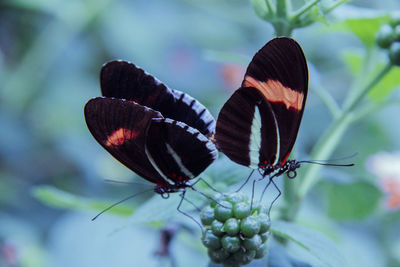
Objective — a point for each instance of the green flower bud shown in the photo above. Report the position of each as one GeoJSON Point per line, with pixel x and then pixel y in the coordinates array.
{"type": "Point", "coordinates": [207, 215]}
{"type": "Point", "coordinates": [250, 226]}
{"type": "Point", "coordinates": [394, 53]}
{"type": "Point", "coordinates": [223, 211]}
{"type": "Point", "coordinates": [265, 222]}
{"type": "Point", "coordinates": [253, 243]}
{"type": "Point", "coordinates": [244, 257]}
{"type": "Point", "coordinates": [216, 228]}
{"type": "Point", "coordinates": [395, 19]}
{"type": "Point", "coordinates": [231, 226]}
{"type": "Point", "coordinates": [218, 255]}
{"type": "Point", "coordinates": [385, 36]}
{"type": "Point", "coordinates": [210, 240]}
{"type": "Point", "coordinates": [241, 210]}
{"type": "Point", "coordinates": [261, 251]}
{"type": "Point", "coordinates": [230, 243]}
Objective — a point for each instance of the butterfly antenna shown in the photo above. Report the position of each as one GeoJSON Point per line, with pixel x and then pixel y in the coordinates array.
{"type": "Point", "coordinates": [326, 164]}
{"type": "Point", "coordinates": [184, 213]}
{"type": "Point", "coordinates": [328, 161]}
{"type": "Point", "coordinates": [245, 182]}
{"type": "Point", "coordinates": [119, 202]}
{"type": "Point", "coordinates": [124, 182]}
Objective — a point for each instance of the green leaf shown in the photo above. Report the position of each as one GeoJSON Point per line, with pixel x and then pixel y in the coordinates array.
{"type": "Point", "coordinates": [386, 86]}
{"type": "Point", "coordinates": [353, 201]}
{"type": "Point", "coordinates": [57, 198]}
{"type": "Point", "coordinates": [363, 22]}
{"type": "Point", "coordinates": [365, 28]}
{"type": "Point", "coordinates": [354, 60]}
{"type": "Point", "coordinates": [314, 242]}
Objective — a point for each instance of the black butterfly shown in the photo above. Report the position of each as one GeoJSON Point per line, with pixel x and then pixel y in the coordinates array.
{"type": "Point", "coordinates": [159, 133]}
{"type": "Point", "coordinates": [257, 127]}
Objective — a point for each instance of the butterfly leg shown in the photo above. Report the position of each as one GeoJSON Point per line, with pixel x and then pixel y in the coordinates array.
{"type": "Point", "coordinates": [182, 195]}
{"type": "Point", "coordinates": [206, 183]}
{"type": "Point", "coordinates": [252, 196]}
{"type": "Point", "coordinates": [208, 197]}
{"type": "Point", "coordinates": [191, 203]}
{"type": "Point", "coordinates": [265, 189]}
{"type": "Point", "coordinates": [245, 182]}
{"type": "Point", "coordinates": [276, 198]}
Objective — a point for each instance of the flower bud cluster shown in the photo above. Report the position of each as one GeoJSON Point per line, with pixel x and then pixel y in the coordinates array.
{"type": "Point", "coordinates": [234, 234]}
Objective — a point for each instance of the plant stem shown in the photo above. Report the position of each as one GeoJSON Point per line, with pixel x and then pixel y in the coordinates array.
{"type": "Point", "coordinates": [303, 9]}
{"type": "Point", "coordinates": [270, 7]}
{"type": "Point", "coordinates": [282, 23]}
{"type": "Point", "coordinates": [329, 102]}
{"type": "Point", "coordinates": [335, 5]}
{"type": "Point", "coordinates": [362, 92]}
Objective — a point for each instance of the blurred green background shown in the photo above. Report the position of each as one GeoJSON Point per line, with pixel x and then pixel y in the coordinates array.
{"type": "Point", "coordinates": [52, 171]}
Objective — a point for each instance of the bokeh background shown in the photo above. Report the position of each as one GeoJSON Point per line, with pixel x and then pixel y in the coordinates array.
{"type": "Point", "coordinates": [52, 172]}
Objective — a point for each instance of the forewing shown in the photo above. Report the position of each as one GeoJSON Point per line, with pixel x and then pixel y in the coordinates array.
{"type": "Point", "coordinates": [279, 71]}
{"type": "Point", "coordinates": [121, 79]}
{"type": "Point", "coordinates": [120, 127]}
{"type": "Point", "coordinates": [178, 151]}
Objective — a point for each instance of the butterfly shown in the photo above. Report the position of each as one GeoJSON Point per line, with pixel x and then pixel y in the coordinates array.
{"type": "Point", "coordinates": [258, 125]}
{"type": "Point", "coordinates": [161, 134]}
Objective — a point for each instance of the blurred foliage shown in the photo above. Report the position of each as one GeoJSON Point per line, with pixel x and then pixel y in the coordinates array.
{"type": "Point", "coordinates": [52, 172]}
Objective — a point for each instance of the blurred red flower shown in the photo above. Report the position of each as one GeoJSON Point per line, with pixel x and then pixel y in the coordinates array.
{"type": "Point", "coordinates": [387, 167]}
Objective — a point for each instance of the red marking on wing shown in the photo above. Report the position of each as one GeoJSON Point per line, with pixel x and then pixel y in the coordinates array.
{"type": "Point", "coordinates": [120, 136]}
{"type": "Point", "coordinates": [274, 91]}
{"type": "Point", "coordinates": [285, 159]}
{"type": "Point", "coordinates": [263, 164]}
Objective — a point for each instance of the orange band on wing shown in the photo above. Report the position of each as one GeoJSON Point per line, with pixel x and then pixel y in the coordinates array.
{"type": "Point", "coordinates": [120, 136]}
{"type": "Point", "coordinates": [274, 91]}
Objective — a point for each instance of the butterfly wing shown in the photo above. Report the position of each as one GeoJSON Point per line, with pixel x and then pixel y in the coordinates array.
{"type": "Point", "coordinates": [120, 127]}
{"type": "Point", "coordinates": [178, 151]}
{"type": "Point", "coordinates": [121, 79]}
{"type": "Point", "coordinates": [258, 125]}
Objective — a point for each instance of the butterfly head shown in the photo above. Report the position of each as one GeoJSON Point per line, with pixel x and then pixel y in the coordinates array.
{"type": "Point", "coordinates": [290, 168]}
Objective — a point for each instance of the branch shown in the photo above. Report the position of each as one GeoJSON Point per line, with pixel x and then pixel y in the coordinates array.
{"type": "Point", "coordinates": [303, 9]}
{"type": "Point", "coordinates": [329, 102]}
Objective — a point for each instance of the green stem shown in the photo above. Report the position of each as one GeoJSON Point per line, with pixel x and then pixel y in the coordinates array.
{"type": "Point", "coordinates": [270, 7]}
{"type": "Point", "coordinates": [335, 5]}
{"type": "Point", "coordinates": [281, 8]}
{"type": "Point", "coordinates": [281, 22]}
{"type": "Point", "coordinates": [362, 92]}
{"type": "Point", "coordinates": [295, 16]}
{"type": "Point", "coordinates": [329, 102]}
{"type": "Point", "coordinates": [368, 109]}
{"type": "Point", "coordinates": [324, 148]}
